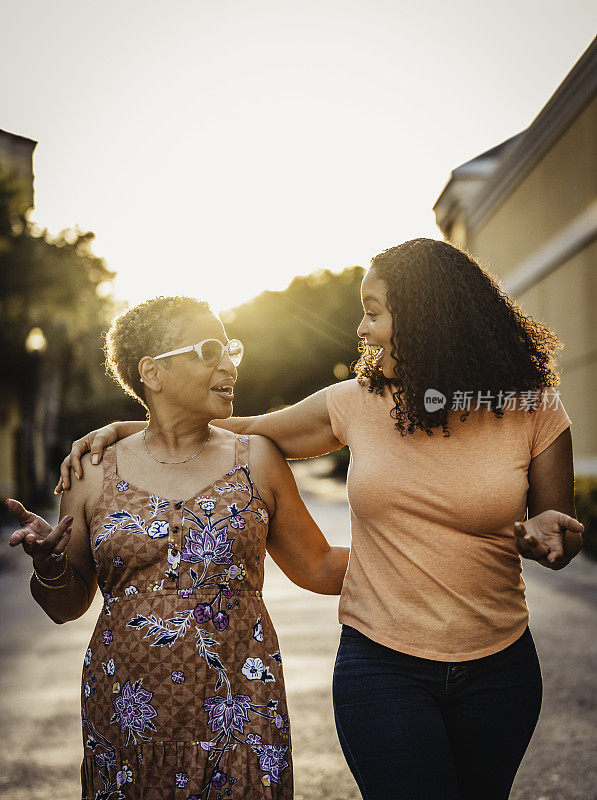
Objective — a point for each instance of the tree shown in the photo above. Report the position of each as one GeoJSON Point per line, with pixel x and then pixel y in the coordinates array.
{"type": "Point", "coordinates": [54, 307]}
{"type": "Point", "coordinates": [297, 341]}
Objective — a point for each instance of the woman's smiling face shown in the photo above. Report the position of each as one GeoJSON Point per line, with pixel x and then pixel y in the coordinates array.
{"type": "Point", "coordinates": [376, 326]}
{"type": "Point", "coordinates": [194, 387]}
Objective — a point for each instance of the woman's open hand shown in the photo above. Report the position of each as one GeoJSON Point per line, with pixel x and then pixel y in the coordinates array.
{"type": "Point", "coordinates": [542, 538]}
{"type": "Point", "coordinates": [40, 541]}
{"type": "Point", "coordinates": [95, 442]}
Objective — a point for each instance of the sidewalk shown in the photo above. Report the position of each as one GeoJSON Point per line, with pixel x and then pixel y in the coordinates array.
{"type": "Point", "coordinates": [40, 741]}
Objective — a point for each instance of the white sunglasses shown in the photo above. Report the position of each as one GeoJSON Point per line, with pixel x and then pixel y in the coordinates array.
{"type": "Point", "coordinates": [210, 351]}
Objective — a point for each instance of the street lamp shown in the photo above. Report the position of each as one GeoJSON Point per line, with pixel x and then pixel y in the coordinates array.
{"type": "Point", "coordinates": [36, 342]}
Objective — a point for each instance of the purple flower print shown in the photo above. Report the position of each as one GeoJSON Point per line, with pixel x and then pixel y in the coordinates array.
{"type": "Point", "coordinates": [219, 779]}
{"type": "Point", "coordinates": [272, 760]}
{"type": "Point", "coordinates": [181, 779]}
{"type": "Point", "coordinates": [177, 676]}
{"type": "Point", "coordinates": [117, 562]}
{"type": "Point", "coordinates": [206, 505]}
{"type": "Point", "coordinates": [105, 760]}
{"type": "Point", "coordinates": [107, 637]}
{"type": "Point", "coordinates": [124, 775]}
{"type": "Point", "coordinates": [122, 486]}
{"type": "Point", "coordinates": [207, 546]}
{"type": "Point", "coordinates": [133, 709]}
{"type": "Point", "coordinates": [282, 723]}
{"type": "Point", "coordinates": [233, 572]}
{"type": "Point", "coordinates": [228, 593]}
{"type": "Point", "coordinates": [184, 592]}
{"type": "Point", "coordinates": [202, 612]}
{"type": "Point", "coordinates": [221, 621]}
{"type": "Point", "coordinates": [254, 739]}
{"type": "Point", "coordinates": [236, 521]}
{"type": "Point", "coordinates": [263, 516]}
{"type": "Point", "coordinates": [243, 438]}
{"type": "Point", "coordinates": [228, 714]}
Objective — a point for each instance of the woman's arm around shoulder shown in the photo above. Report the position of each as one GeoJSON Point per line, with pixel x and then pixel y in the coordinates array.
{"type": "Point", "coordinates": [294, 540]}
{"type": "Point", "coordinates": [303, 430]}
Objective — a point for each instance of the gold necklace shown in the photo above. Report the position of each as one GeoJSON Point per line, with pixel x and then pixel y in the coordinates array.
{"type": "Point", "coordinates": [184, 460]}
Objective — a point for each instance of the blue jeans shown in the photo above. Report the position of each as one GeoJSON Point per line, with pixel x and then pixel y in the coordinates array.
{"type": "Point", "coordinates": [416, 729]}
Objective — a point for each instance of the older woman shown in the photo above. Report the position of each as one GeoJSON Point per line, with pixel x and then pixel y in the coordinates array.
{"type": "Point", "coordinates": [183, 691]}
{"type": "Point", "coordinates": [437, 684]}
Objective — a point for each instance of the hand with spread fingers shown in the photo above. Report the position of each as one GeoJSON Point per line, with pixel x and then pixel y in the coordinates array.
{"type": "Point", "coordinates": [543, 538]}
{"type": "Point", "coordinates": [45, 545]}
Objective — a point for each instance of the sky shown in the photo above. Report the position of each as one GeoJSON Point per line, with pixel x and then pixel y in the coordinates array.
{"type": "Point", "coordinates": [217, 149]}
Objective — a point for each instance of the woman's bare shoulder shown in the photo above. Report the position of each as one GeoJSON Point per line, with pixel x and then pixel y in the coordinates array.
{"type": "Point", "coordinates": [264, 452]}
{"type": "Point", "coordinates": [85, 492]}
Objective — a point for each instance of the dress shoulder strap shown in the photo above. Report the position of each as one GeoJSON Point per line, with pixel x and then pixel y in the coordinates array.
{"type": "Point", "coordinates": [241, 450]}
{"type": "Point", "coordinates": [109, 463]}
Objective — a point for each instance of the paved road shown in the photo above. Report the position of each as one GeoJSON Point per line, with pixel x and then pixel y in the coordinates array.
{"type": "Point", "coordinates": [40, 746]}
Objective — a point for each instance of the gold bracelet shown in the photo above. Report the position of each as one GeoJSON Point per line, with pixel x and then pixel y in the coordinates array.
{"type": "Point", "coordinates": [47, 585]}
{"type": "Point", "coordinates": [55, 578]}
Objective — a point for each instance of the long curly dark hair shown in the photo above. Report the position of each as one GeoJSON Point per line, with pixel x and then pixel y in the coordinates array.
{"type": "Point", "coordinates": [453, 330]}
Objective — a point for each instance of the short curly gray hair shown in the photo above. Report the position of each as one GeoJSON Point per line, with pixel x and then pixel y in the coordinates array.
{"type": "Point", "coordinates": [147, 329]}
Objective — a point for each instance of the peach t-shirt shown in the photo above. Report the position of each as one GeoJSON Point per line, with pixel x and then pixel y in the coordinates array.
{"type": "Point", "coordinates": [434, 570]}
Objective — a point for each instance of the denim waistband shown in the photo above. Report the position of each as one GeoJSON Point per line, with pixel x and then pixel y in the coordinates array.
{"type": "Point", "coordinates": [370, 647]}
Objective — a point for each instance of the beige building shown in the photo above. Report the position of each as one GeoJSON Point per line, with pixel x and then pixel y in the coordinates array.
{"type": "Point", "coordinates": [528, 210]}
{"type": "Point", "coordinates": [16, 159]}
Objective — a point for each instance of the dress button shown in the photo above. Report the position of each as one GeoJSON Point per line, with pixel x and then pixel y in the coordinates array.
{"type": "Point", "coordinates": [175, 529]}
{"type": "Point", "coordinates": [178, 505]}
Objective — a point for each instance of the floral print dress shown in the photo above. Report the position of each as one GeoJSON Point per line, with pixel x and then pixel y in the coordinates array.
{"type": "Point", "coordinates": [182, 692]}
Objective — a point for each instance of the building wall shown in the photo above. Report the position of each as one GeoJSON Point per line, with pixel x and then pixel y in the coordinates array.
{"type": "Point", "coordinates": [457, 234]}
{"type": "Point", "coordinates": [557, 190]}
{"type": "Point", "coordinates": [566, 301]}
